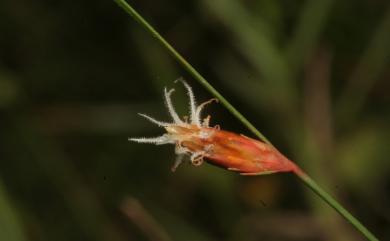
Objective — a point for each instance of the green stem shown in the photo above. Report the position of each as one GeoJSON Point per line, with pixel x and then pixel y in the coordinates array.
{"type": "Point", "coordinates": [137, 17]}
{"type": "Point", "coordinates": [304, 177]}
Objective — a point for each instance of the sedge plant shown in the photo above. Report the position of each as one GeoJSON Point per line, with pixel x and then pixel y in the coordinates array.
{"type": "Point", "coordinates": [182, 134]}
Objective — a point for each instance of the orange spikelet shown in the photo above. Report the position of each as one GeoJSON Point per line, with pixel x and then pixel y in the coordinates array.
{"type": "Point", "coordinates": [234, 152]}
{"type": "Point", "coordinates": [243, 154]}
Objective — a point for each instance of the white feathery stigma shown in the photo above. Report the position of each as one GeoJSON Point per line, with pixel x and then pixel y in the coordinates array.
{"type": "Point", "coordinates": [159, 123]}
{"type": "Point", "coordinates": [171, 109]}
{"type": "Point", "coordinates": [160, 140]}
{"type": "Point", "coordinates": [193, 117]}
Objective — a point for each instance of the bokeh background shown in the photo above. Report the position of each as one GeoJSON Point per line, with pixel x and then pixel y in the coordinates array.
{"type": "Point", "coordinates": [313, 76]}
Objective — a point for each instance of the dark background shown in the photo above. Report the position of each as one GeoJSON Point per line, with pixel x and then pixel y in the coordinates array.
{"type": "Point", "coordinates": [313, 76]}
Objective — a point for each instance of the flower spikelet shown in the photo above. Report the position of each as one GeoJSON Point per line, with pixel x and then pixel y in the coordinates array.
{"type": "Point", "coordinates": [194, 137]}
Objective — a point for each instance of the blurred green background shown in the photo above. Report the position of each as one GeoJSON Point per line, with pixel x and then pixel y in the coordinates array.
{"type": "Point", "coordinates": [313, 76]}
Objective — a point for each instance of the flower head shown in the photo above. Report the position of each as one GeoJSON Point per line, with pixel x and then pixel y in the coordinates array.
{"type": "Point", "coordinates": [194, 137]}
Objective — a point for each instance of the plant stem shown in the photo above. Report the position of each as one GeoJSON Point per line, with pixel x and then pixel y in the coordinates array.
{"type": "Point", "coordinates": [137, 17]}
{"type": "Point", "coordinates": [326, 197]}
{"type": "Point", "coordinates": [303, 176]}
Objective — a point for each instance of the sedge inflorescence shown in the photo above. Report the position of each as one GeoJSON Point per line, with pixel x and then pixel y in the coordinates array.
{"type": "Point", "coordinates": [195, 138]}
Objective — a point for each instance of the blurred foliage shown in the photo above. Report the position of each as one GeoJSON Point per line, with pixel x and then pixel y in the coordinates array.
{"type": "Point", "coordinates": [312, 75]}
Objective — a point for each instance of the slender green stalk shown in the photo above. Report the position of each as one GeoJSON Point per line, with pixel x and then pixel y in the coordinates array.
{"type": "Point", "coordinates": [137, 17]}
{"type": "Point", "coordinates": [335, 205]}
{"type": "Point", "coordinates": [303, 176]}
